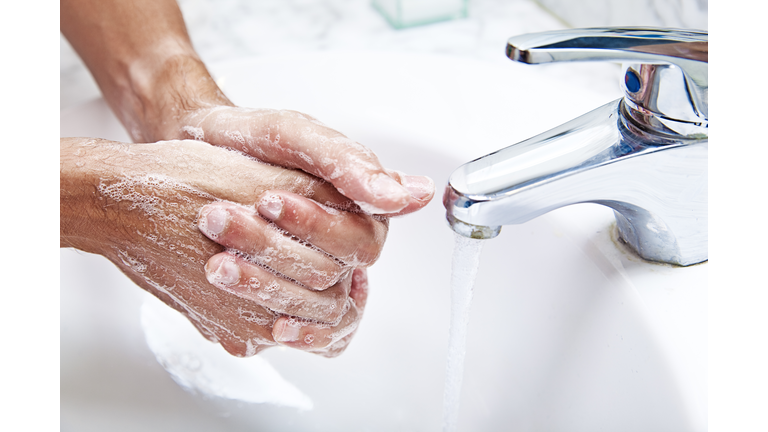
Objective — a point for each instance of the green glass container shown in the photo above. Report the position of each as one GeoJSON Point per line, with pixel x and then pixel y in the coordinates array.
{"type": "Point", "coordinates": [409, 13]}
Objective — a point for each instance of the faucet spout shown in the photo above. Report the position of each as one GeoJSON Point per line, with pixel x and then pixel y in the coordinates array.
{"type": "Point", "coordinates": [644, 155]}
{"type": "Point", "coordinates": [656, 187]}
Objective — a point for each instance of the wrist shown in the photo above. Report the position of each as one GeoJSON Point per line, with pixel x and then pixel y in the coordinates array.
{"type": "Point", "coordinates": [165, 87]}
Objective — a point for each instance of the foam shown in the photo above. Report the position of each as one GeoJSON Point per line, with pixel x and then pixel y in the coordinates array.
{"type": "Point", "coordinates": [196, 133]}
{"type": "Point", "coordinates": [127, 189]}
{"type": "Point", "coordinates": [370, 208]}
{"type": "Point", "coordinates": [346, 331]}
{"type": "Point", "coordinates": [256, 317]}
{"type": "Point", "coordinates": [134, 263]}
{"type": "Point", "coordinates": [283, 247]}
{"type": "Point", "coordinates": [330, 210]}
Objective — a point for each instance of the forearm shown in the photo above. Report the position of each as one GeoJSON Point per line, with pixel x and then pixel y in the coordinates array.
{"type": "Point", "coordinates": [141, 57]}
{"type": "Point", "coordinates": [80, 220]}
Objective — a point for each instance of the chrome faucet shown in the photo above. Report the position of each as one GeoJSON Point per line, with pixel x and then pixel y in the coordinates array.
{"type": "Point", "coordinates": [644, 155]}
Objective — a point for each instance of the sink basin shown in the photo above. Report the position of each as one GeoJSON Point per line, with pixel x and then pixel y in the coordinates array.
{"type": "Point", "coordinates": [569, 331]}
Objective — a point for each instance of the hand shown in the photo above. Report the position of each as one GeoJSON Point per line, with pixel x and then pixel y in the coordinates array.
{"type": "Point", "coordinates": [312, 287]}
{"type": "Point", "coordinates": [294, 140]}
{"type": "Point", "coordinates": [141, 56]}
{"type": "Point", "coordinates": [140, 206]}
{"type": "Point", "coordinates": [183, 102]}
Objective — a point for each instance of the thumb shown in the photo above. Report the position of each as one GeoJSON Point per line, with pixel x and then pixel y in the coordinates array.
{"type": "Point", "coordinates": [421, 189]}
{"type": "Point", "coordinates": [294, 140]}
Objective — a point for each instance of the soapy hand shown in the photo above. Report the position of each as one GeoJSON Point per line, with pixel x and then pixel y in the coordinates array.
{"type": "Point", "coordinates": [146, 206]}
{"type": "Point", "coordinates": [342, 239]}
{"type": "Point", "coordinates": [251, 253]}
{"type": "Point", "coordinates": [346, 239]}
{"type": "Point", "coordinates": [295, 140]}
{"type": "Point", "coordinates": [183, 102]}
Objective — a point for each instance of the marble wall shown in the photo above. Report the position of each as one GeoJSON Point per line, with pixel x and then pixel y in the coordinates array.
{"type": "Point", "coordinates": [689, 14]}
{"type": "Point", "coordinates": [222, 30]}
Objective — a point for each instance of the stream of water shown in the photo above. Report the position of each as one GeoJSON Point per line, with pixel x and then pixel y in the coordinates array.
{"type": "Point", "coordinates": [466, 259]}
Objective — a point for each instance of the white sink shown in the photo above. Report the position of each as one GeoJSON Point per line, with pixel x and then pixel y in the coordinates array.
{"type": "Point", "coordinates": [568, 331]}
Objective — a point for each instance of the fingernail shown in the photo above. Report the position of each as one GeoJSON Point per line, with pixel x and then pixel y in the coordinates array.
{"type": "Point", "coordinates": [227, 273]}
{"type": "Point", "coordinates": [285, 332]}
{"type": "Point", "coordinates": [420, 187]}
{"type": "Point", "coordinates": [271, 206]}
{"type": "Point", "coordinates": [214, 222]}
{"type": "Point", "coordinates": [385, 186]}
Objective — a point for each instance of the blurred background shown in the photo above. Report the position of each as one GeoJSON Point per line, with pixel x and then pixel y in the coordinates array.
{"type": "Point", "coordinates": [233, 29]}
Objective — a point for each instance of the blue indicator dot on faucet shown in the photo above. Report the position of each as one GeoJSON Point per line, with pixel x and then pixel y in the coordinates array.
{"type": "Point", "coordinates": [632, 81]}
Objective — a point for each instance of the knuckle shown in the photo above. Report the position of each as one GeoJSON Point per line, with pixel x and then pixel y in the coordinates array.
{"type": "Point", "coordinates": [308, 222]}
{"type": "Point", "coordinates": [319, 276]}
{"type": "Point", "coordinates": [329, 278]}
{"type": "Point", "coordinates": [368, 253]}
{"type": "Point", "coordinates": [337, 308]}
{"type": "Point", "coordinates": [368, 247]}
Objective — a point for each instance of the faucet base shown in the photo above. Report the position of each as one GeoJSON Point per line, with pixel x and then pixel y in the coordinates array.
{"type": "Point", "coordinates": [656, 244]}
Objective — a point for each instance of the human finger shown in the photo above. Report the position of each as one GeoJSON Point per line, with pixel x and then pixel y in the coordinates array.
{"type": "Point", "coordinates": [244, 279]}
{"type": "Point", "coordinates": [241, 228]}
{"type": "Point", "coordinates": [295, 140]}
{"type": "Point", "coordinates": [421, 188]}
{"type": "Point", "coordinates": [354, 238]}
{"type": "Point", "coordinates": [325, 339]}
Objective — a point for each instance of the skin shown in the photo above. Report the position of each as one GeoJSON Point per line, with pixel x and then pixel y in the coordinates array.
{"type": "Point", "coordinates": [247, 221]}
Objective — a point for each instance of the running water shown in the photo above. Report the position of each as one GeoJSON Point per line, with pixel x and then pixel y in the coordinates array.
{"type": "Point", "coordinates": [466, 259]}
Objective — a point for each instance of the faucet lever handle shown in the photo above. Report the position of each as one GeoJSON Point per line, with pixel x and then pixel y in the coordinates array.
{"type": "Point", "coordinates": [613, 44]}
{"type": "Point", "coordinates": [666, 74]}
